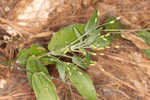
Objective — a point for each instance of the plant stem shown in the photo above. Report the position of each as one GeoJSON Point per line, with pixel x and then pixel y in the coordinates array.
{"type": "Point", "coordinates": [122, 30]}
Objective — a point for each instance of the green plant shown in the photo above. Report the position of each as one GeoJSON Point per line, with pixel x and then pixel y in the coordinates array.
{"type": "Point", "coordinates": [74, 39]}
{"type": "Point", "coordinates": [145, 35]}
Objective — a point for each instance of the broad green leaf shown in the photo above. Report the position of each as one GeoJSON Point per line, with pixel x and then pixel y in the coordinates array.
{"type": "Point", "coordinates": [34, 65]}
{"type": "Point", "coordinates": [82, 82]}
{"type": "Point", "coordinates": [47, 60]}
{"type": "Point", "coordinates": [145, 35]}
{"type": "Point", "coordinates": [147, 52]}
{"type": "Point", "coordinates": [37, 50]}
{"type": "Point", "coordinates": [102, 42]}
{"type": "Point", "coordinates": [113, 23]}
{"type": "Point", "coordinates": [33, 50]}
{"type": "Point", "coordinates": [64, 37]}
{"type": "Point", "coordinates": [77, 33]}
{"type": "Point", "coordinates": [87, 58]}
{"type": "Point", "coordinates": [61, 69]}
{"type": "Point", "coordinates": [93, 22]}
{"type": "Point", "coordinates": [23, 56]}
{"type": "Point", "coordinates": [115, 36]}
{"type": "Point", "coordinates": [79, 61]}
{"type": "Point", "coordinates": [92, 37]}
{"type": "Point", "coordinates": [43, 87]}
